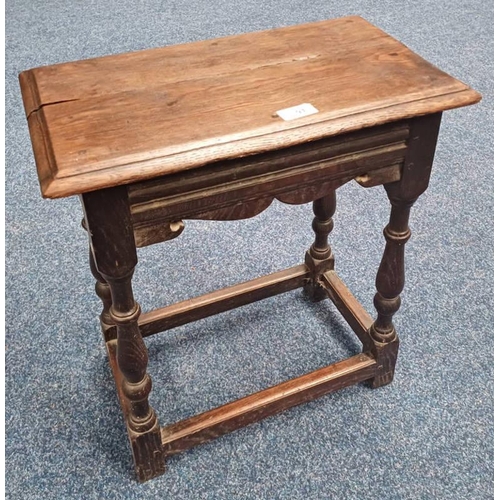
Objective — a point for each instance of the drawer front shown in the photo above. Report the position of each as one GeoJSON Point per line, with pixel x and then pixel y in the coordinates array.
{"type": "Point", "coordinates": [241, 188]}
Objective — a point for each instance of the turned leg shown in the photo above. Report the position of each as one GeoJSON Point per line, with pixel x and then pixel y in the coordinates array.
{"type": "Point", "coordinates": [132, 358]}
{"type": "Point", "coordinates": [319, 258]}
{"type": "Point", "coordinates": [113, 247]}
{"type": "Point", "coordinates": [390, 276]}
{"type": "Point", "coordinates": [103, 291]}
{"type": "Point", "coordinates": [390, 282]}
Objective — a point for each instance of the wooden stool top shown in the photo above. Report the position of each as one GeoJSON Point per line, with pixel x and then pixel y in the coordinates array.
{"type": "Point", "coordinates": [125, 118]}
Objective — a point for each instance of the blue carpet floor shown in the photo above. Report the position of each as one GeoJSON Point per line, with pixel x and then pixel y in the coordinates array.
{"type": "Point", "coordinates": [428, 435]}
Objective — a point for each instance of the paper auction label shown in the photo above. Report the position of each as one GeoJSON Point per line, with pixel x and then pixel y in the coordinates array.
{"type": "Point", "coordinates": [295, 112]}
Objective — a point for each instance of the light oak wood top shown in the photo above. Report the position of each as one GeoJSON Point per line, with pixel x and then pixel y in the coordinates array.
{"type": "Point", "coordinates": [124, 118]}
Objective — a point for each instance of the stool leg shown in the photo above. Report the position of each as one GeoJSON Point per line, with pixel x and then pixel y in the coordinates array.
{"type": "Point", "coordinates": [112, 242]}
{"type": "Point", "coordinates": [132, 358]}
{"type": "Point", "coordinates": [319, 258]}
{"type": "Point", "coordinates": [103, 291]}
{"type": "Point", "coordinates": [390, 277]}
{"type": "Point", "coordinates": [390, 282]}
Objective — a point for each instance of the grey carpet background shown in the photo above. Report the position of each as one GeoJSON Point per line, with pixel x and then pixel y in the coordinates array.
{"type": "Point", "coordinates": [428, 435]}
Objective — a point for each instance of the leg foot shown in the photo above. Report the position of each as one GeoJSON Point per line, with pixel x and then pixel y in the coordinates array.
{"type": "Point", "coordinates": [107, 217]}
{"type": "Point", "coordinates": [386, 355]}
{"type": "Point", "coordinates": [314, 292]}
{"type": "Point", "coordinates": [147, 452]}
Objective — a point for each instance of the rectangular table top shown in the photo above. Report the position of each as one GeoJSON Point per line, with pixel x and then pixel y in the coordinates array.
{"type": "Point", "coordinates": [120, 119]}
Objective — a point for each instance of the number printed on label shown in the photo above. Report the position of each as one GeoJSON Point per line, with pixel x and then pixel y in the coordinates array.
{"type": "Point", "coordinates": [295, 112]}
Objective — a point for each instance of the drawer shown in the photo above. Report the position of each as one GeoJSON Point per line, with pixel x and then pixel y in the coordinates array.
{"type": "Point", "coordinates": [241, 188]}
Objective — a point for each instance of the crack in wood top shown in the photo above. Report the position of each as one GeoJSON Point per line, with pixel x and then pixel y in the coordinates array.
{"type": "Point", "coordinates": [128, 118]}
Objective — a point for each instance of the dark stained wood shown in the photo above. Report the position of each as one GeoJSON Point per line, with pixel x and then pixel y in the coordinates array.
{"type": "Point", "coordinates": [152, 138]}
{"type": "Point", "coordinates": [107, 219]}
{"type": "Point", "coordinates": [416, 171]}
{"type": "Point", "coordinates": [311, 167]}
{"type": "Point", "coordinates": [381, 176]}
{"type": "Point", "coordinates": [103, 291]}
{"type": "Point", "coordinates": [319, 258]}
{"type": "Point", "coordinates": [313, 192]}
{"type": "Point", "coordinates": [146, 447]}
{"type": "Point", "coordinates": [352, 311]}
{"type": "Point", "coordinates": [236, 187]}
{"type": "Point", "coordinates": [157, 231]}
{"type": "Point", "coordinates": [239, 210]}
{"type": "Point", "coordinates": [323, 209]}
{"type": "Point", "coordinates": [386, 354]}
{"type": "Point", "coordinates": [117, 375]}
{"type": "Point", "coordinates": [211, 424]}
{"type": "Point", "coordinates": [238, 169]}
{"type": "Point", "coordinates": [85, 117]}
{"type": "Point", "coordinates": [222, 300]}
{"type": "Point", "coordinates": [390, 276]}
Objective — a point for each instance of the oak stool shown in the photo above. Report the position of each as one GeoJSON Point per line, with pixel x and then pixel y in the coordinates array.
{"type": "Point", "coordinates": [217, 130]}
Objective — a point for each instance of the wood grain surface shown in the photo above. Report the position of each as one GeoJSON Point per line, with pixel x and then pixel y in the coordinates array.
{"type": "Point", "coordinates": [294, 175]}
{"type": "Point", "coordinates": [131, 117]}
{"type": "Point", "coordinates": [222, 300]}
{"type": "Point", "coordinates": [214, 423]}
